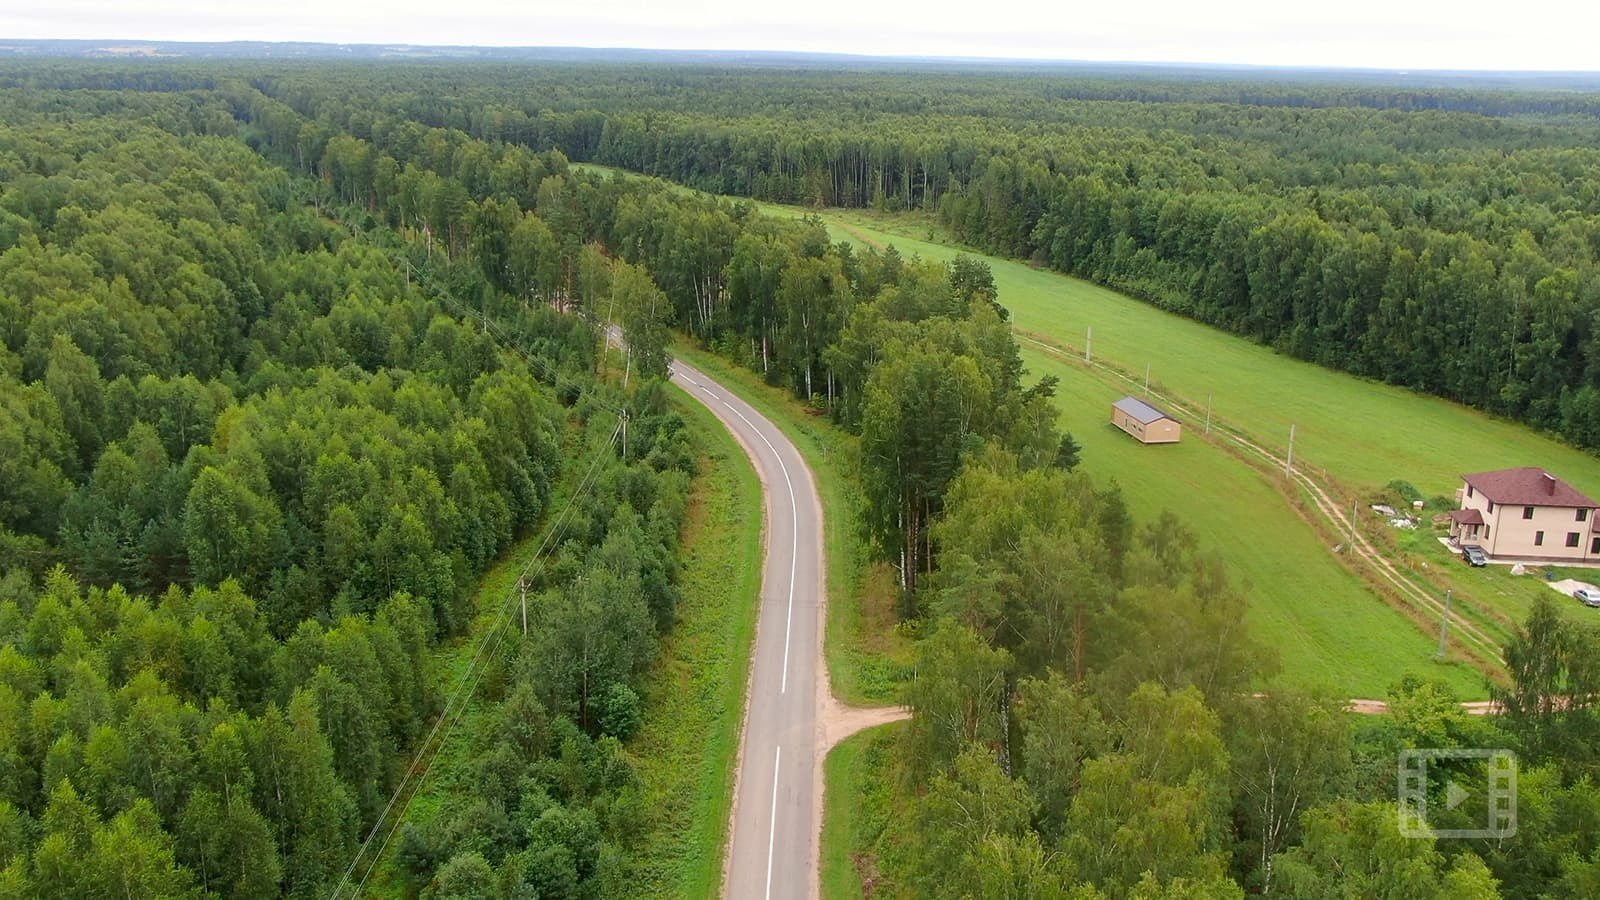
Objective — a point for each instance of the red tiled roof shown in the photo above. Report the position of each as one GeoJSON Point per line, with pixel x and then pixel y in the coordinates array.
{"type": "Point", "coordinates": [1527, 486]}
{"type": "Point", "coordinates": [1467, 516]}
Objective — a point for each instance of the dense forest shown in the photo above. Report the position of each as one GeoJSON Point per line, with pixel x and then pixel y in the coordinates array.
{"type": "Point", "coordinates": [291, 354]}
{"type": "Point", "coordinates": [1445, 240]}
{"type": "Point", "coordinates": [254, 461]}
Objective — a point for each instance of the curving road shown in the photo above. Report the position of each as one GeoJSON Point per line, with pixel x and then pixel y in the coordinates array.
{"type": "Point", "coordinates": [777, 795]}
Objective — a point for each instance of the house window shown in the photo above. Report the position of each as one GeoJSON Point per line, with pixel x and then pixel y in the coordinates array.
{"type": "Point", "coordinates": [1594, 547]}
{"type": "Point", "coordinates": [1583, 514]}
{"type": "Point", "coordinates": [1486, 532]}
{"type": "Point", "coordinates": [1469, 490]}
{"type": "Point", "coordinates": [1527, 512]}
{"type": "Point", "coordinates": [1538, 539]}
{"type": "Point", "coordinates": [1572, 538]}
{"type": "Point", "coordinates": [1491, 506]}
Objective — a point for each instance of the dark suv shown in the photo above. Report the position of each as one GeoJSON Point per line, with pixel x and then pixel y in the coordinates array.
{"type": "Point", "coordinates": [1474, 555]}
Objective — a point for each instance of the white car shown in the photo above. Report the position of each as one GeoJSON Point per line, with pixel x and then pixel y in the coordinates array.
{"type": "Point", "coordinates": [1588, 596]}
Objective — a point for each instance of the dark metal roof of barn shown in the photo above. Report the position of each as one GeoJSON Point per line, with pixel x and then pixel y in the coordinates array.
{"type": "Point", "coordinates": [1140, 411]}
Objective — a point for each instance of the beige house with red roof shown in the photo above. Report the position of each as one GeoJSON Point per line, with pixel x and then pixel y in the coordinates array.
{"type": "Point", "coordinates": [1526, 513]}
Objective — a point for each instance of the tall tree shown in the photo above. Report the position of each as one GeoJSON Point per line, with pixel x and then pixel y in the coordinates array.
{"type": "Point", "coordinates": [643, 312]}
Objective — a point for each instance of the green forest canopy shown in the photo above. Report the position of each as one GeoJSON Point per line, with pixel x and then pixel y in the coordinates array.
{"type": "Point", "coordinates": [1441, 239]}
{"type": "Point", "coordinates": [291, 353]}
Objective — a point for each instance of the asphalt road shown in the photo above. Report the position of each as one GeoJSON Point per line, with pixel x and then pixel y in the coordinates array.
{"type": "Point", "coordinates": [777, 802]}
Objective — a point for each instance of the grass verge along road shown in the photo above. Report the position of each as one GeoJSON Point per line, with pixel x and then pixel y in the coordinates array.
{"type": "Point", "coordinates": [694, 696]}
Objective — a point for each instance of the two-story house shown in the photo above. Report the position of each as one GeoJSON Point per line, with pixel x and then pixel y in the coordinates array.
{"type": "Point", "coordinates": [1529, 514]}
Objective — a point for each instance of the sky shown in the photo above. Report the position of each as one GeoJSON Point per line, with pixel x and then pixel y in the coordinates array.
{"type": "Point", "coordinates": [1397, 34]}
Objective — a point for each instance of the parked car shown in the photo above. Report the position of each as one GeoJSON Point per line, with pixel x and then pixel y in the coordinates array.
{"type": "Point", "coordinates": [1587, 596]}
{"type": "Point", "coordinates": [1474, 555]}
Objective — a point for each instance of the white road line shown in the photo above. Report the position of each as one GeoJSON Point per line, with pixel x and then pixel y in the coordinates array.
{"type": "Point", "coordinates": [788, 623]}
{"type": "Point", "coordinates": [794, 543]}
{"type": "Point", "coordinates": [772, 827]}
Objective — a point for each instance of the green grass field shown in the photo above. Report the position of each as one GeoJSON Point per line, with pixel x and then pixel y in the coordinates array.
{"type": "Point", "coordinates": [1510, 596]}
{"type": "Point", "coordinates": [1326, 625]}
{"type": "Point", "coordinates": [694, 697]}
{"type": "Point", "coordinates": [1363, 433]}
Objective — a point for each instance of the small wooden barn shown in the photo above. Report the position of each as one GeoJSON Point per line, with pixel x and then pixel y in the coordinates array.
{"type": "Point", "coordinates": [1145, 422]}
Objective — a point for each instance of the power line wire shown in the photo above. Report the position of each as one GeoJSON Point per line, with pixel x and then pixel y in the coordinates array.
{"type": "Point", "coordinates": [462, 694]}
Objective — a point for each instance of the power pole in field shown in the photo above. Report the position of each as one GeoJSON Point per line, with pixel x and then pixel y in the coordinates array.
{"type": "Point", "coordinates": [522, 587]}
{"type": "Point", "coordinates": [1208, 414]}
{"type": "Point", "coordinates": [1088, 344]}
{"type": "Point", "coordinates": [1288, 462]}
{"type": "Point", "coordinates": [1147, 379]}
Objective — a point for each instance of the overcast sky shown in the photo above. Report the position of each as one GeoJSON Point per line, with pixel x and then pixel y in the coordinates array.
{"type": "Point", "coordinates": [1400, 34]}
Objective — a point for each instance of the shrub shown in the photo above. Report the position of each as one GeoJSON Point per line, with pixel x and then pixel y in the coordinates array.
{"type": "Point", "coordinates": [619, 711]}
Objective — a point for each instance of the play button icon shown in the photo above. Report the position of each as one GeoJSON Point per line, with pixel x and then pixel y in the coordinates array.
{"type": "Point", "coordinates": [1423, 786]}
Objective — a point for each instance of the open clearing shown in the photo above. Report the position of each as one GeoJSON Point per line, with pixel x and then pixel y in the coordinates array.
{"type": "Point", "coordinates": [1326, 625]}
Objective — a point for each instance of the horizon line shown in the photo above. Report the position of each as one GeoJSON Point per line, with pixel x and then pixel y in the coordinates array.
{"type": "Point", "coordinates": [837, 54]}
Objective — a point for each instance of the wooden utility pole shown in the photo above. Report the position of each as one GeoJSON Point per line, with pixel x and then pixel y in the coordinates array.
{"type": "Point", "coordinates": [1147, 379]}
{"type": "Point", "coordinates": [522, 587]}
{"type": "Point", "coordinates": [1088, 344]}
{"type": "Point", "coordinates": [1208, 414]}
{"type": "Point", "coordinates": [1288, 462]}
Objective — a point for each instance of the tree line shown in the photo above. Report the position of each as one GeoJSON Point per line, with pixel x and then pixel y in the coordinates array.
{"type": "Point", "coordinates": [1444, 240]}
